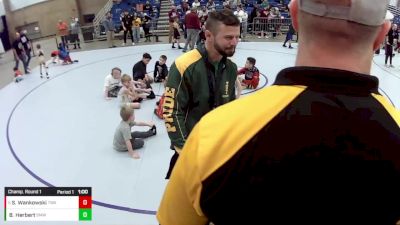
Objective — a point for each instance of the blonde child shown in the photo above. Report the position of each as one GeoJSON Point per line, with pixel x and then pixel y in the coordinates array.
{"type": "Point", "coordinates": [42, 62]}
{"type": "Point", "coordinates": [124, 139]}
{"type": "Point", "coordinates": [128, 95]}
{"type": "Point", "coordinates": [136, 23]}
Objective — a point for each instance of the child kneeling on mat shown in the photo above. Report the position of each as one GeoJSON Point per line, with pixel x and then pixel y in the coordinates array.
{"type": "Point", "coordinates": [124, 139]}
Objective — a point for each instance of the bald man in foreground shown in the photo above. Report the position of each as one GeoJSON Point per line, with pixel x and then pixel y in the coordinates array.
{"type": "Point", "coordinates": [320, 146]}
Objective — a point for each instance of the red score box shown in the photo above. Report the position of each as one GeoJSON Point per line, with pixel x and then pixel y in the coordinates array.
{"type": "Point", "coordinates": [85, 202]}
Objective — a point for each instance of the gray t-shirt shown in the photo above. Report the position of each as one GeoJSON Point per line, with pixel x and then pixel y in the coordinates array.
{"type": "Point", "coordinates": [122, 134]}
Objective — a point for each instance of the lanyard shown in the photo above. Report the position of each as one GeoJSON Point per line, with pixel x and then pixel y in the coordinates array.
{"type": "Point", "coordinates": [213, 82]}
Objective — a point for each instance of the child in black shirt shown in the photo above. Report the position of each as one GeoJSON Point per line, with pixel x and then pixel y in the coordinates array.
{"type": "Point", "coordinates": [161, 69]}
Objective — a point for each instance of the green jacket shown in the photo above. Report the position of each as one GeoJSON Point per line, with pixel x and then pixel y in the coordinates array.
{"type": "Point", "coordinates": [190, 92]}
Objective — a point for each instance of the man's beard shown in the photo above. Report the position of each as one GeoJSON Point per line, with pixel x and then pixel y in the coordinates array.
{"type": "Point", "coordinates": [225, 52]}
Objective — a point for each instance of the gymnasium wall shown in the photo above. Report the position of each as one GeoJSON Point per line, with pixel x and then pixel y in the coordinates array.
{"type": "Point", "coordinates": [91, 6]}
{"type": "Point", "coordinates": [48, 13]}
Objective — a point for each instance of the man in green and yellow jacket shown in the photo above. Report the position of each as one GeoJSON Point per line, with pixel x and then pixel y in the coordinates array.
{"type": "Point", "coordinates": [201, 79]}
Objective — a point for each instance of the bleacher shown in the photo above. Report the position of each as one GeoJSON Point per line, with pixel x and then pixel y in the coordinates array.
{"type": "Point", "coordinates": [132, 6]}
{"type": "Point", "coordinates": [396, 12]}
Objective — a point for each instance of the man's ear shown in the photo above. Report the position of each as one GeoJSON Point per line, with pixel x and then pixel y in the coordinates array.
{"type": "Point", "coordinates": [382, 34]}
{"type": "Point", "coordinates": [208, 34]}
{"type": "Point", "coordinates": [294, 9]}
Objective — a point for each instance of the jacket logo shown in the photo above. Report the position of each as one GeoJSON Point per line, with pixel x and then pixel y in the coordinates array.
{"type": "Point", "coordinates": [169, 103]}
{"type": "Point", "coordinates": [226, 94]}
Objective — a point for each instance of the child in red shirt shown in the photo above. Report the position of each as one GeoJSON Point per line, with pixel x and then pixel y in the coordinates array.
{"type": "Point", "coordinates": [249, 76]}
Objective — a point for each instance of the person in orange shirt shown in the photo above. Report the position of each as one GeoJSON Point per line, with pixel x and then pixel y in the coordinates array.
{"type": "Point", "coordinates": [63, 32]}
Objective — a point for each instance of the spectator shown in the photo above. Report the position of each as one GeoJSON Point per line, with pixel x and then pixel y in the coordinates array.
{"type": "Point", "coordinates": [196, 4]}
{"type": "Point", "coordinates": [226, 3]}
{"type": "Point", "coordinates": [253, 14]}
{"type": "Point", "coordinates": [264, 4]}
{"type": "Point", "coordinates": [75, 30]}
{"type": "Point", "coordinates": [203, 13]}
{"type": "Point", "coordinates": [172, 15]}
{"type": "Point", "coordinates": [146, 27]}
{"type": "Point", "coordinates": [289, 36]}
{"type": "Point", "coordinates": [19, 53]}
{"type": "Point", "coordinates": [27, 44]}
{"type": "Point", "coordinates": [63, 32]}
{"type": "Point", "coordinates": [109, 27]}
{"type": "Point", "coordinates": [242, 16]}
{"type": "Point", "coordinates": [185, 7]}
{"type": "Point", "coordinates": [137, 23]}
{"type": "Point", "coordinates": [389, 44]}
{"type": "Point", "coordinates": [192, 23]}
{"type": "Point", "coordinates": [210, 5]}
{"type": "Point", "coordinates": [148, 7]}
{"type": "Point", "coordinates": [126, 22]}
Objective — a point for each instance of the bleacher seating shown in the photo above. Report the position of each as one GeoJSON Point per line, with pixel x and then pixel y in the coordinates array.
{"type": "Point", "coordinates": [130, 5]}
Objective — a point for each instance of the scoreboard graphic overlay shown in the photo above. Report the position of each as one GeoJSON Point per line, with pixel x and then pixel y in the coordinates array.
{"type": "Point", "coordinates": [48, 204]}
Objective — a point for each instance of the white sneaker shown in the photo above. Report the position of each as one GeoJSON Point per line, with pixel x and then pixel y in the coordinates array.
{"type": "Point", "coordinates": [123, 44]}
{"type": "Point", "coordinates": [133, 43]}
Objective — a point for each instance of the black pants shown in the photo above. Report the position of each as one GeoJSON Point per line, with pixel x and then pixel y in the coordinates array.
{"type": "Point", "coordinates": [128, 29]}
{"type": "Point", "coordinates": [137, 138]}
{"type": "Point", "coordinates": [74, 38]}
{"type": "Point", "coordinates": [289, 37]}
{"type": "Point", "coordinates": [146, 31]}
{"type": "Point", "coordinates": [388, 53]}
{"type": "Point", "coordinates": [64, 40]}
{"type": "Point", "coordinates": [28, 55]}
{"type": "Point", "coordinates": [113, 93]}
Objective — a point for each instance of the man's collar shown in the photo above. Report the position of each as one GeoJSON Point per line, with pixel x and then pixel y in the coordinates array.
{"type": "Point", "coordinates": [203, 51]}
{"type": "Point", "coordinates": [329, 80]}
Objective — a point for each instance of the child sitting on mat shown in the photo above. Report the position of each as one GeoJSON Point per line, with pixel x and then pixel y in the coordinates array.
{"type": "Point", "coordinates": [112, 83]}
{"type": "Point", "coordinates": [128, 94]}
{"type": "Point", "coordinates": [161, 69]}
{"type": "Point", "coordinates": [124, 139]}
{"type": "Point", "coordinates": [249, 76]}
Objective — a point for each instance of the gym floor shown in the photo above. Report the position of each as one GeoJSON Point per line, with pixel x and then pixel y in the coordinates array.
{"type": "Point", "coordinates": [59, 132]}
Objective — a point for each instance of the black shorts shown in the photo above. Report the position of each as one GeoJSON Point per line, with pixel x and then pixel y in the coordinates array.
{"type": "Point", "coordinates": [113, 92]}
{"type": "Point", "coordinates": [138, 78]}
